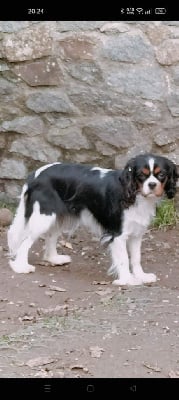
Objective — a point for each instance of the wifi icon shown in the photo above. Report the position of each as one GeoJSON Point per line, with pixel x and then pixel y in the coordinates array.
{"type": "Point", "coordinates": [139, 10]}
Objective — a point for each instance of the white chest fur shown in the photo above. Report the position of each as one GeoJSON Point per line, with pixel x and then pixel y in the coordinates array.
{"type": "Point", "coordinates": [138, 217]}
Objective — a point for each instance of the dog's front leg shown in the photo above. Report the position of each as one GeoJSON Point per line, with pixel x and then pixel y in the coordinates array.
{"type": "Point", "coordinates": [134, 246]}
{"type": "Point", "coordinates": [120, 263]}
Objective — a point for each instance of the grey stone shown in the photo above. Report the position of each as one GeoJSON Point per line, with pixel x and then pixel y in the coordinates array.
{"type": "Point", "coordinates": [174, 32]}
{"type": "Point", "coordinates": [104, 148]}
{"type": "Point", "coordinates": [65, 26]}
{"type": "Point", "coordinates": [4, 198]}
{"type": "Point", "coordinates": [12, 26]}
{"type": "Point", "coordinates": [114, 27]}
{"type": "Point", "coordinates": [30, 125]}
{"type": "Point", "coordinates": [146, 112]}
{"type": "Point", "coordinates": [31, 43]}
{"type": "Point", "coordinates": [157, 33]}
{"type": "Point", "coordinates": [13, 190]}
{"type": "Point", "coordinates": [59, 121]}
{"type": "Point", "coordinates": [166, 135]}
{"type": "Point", "coordinates": [173, 102]}
{"type": "Point", "coordinates": [174, 156]}
{"type": "Point", "coordinates": [168, 52]}
{"type": "Point", "coordinates": [40, 73]}
{"type": "Point", "coordinates": [175, 74]}
{"type": "Point", "coordinates": [35, 149]}
{"type": "Point", "coordinates": [94, 99]}
{"type": "Point", "coordinates": [2, 142]}
{"type": "Point", "coordinates": [6, 87]}
{"type": "Point", "coordinates": [113, 131]}
{"type": "Point", "coordinates": [121, 160]}
{"type": "Point", "coordinates": [172, 23]}
{"type": "Point", "coordinates": [10, 106]}
{"type": "Point", "coordinates": [69, 138]}
{"type": "Point", "coordinates": [10, 76]}
{"type": "Point", "coordinates": [82, 157]}
{"type": "Point", "coordinates": [86, 71]}
{"type": "Point", "coordinates": [110, 102]}
{"type": "Point", "coordinates": [146, 82]}
{"type": "Point", "coordinates": [49, 101]}
{"type": "Point", "coordinates": [1, 52]}
{"type": "Point", "coordinates": [3, 66]}
{"type": "Point", "coordinates": [138, 148]}
{"type": "Point", "coordinates": [12, 169]}
{"type": "Point", "coordinates": [75, 48]}
{"type": "Point", "coordinates": [127, 48]}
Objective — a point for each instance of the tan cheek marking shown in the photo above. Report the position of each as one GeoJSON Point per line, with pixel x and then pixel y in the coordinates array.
{"type": "Point", "coordinates": [146, 171]}
{"type": "Point", "coordinates": [157, 170]}
{"type": "Point", "coordinates": [160, 188]}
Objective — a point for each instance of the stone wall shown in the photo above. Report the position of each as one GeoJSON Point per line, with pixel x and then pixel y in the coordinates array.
{"type": "Point", "coordinates": [87, 91]}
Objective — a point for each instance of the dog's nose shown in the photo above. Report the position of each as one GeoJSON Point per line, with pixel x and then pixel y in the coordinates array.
{"type": "Point", "coordinates": [152, 185]}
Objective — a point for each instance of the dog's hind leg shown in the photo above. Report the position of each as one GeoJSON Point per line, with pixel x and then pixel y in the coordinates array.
{"type": "Point", "coordinates": [50, 253]}
{"type": "Point", "coordinates": [37, 225]}
{"type": "Point", "coordinates": [16, 231]}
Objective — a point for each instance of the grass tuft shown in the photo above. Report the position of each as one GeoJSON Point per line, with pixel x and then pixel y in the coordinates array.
{"type": "Point", "coordinates": [166, 215]}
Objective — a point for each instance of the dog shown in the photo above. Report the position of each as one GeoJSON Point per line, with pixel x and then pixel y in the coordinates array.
{"type": "Point", "coordinates": [117, 205]}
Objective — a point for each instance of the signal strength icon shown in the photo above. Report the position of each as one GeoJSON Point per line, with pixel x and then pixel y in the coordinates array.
{"type": "Point", "coordinates": [148, 12]}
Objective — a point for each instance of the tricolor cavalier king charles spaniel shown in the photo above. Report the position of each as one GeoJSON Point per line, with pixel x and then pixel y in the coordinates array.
{"type": "Point", "coordinates": [116, 204]}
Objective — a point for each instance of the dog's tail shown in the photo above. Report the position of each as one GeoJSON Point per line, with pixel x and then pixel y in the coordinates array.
{"type": "Point", "coordinates": [16, 231]}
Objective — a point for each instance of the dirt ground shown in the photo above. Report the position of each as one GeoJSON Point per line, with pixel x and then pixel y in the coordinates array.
{"type": "Point", "coordinates": [70, 321]}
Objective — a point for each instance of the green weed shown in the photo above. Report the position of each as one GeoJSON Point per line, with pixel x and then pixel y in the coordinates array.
{"type": "Point", "coordinates": [166, 214]}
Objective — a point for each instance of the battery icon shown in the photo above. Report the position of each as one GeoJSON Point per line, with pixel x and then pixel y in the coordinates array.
{"type": "Point", "coordinates": [160, 10]}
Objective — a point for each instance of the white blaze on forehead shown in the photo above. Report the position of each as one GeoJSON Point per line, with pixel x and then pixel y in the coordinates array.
{"type": "Point", "coordinates": [103, 171]}
{"type": "Point", "coordinates": [151, 179]}
{"type": "Point", "coordinates": [151, 164]}
{"type": "Point", "coordinates": [38, 172]}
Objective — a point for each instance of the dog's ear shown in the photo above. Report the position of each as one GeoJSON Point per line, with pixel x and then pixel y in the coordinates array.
{"type": "Point", "coordinates": [173, 175]}
{"type": "Point", "coordinates": [129, 181]}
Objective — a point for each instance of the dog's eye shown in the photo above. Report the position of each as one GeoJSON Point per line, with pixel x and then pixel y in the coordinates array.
{"type": "Point", "coordinates": [142, 176]}
{"type": "Point", "coordinates": [161, 175]}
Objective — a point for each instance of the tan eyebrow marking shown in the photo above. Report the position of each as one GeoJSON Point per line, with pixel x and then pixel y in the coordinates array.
{"type": "Point", "coordinates": [146, 171]}
{"type": "Point", "coordinates": [157, 170]}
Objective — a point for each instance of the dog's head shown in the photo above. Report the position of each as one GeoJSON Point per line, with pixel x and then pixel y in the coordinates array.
{"type": "Point", "coordinates": [151, 175]}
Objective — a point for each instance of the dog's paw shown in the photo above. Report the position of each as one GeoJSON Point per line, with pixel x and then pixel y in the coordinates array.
{"type": "Point", "coordinates": [21, 269]}
{"type": "Point", "coordinates": [129, 281]}
{"type": "Point", "coordinates": [147, 278]}
{"type": "Point", "coordinates": [58, 259]}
